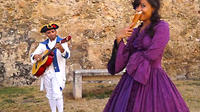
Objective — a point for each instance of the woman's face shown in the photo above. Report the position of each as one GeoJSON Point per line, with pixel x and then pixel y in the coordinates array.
{"type": "Point", "coordinates": [146, 9]}
{"type": "Point", "coordinates": [51, 34]}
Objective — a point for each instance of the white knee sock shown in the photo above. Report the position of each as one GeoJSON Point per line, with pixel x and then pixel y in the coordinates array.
{"type": "Point", "coordinates": [52, 105]}
{"type": "Point", "coordinates": [59, 104]}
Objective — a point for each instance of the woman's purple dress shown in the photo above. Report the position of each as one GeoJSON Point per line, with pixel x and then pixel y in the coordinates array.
{"type": "Point", "coordinates": [145, 87]}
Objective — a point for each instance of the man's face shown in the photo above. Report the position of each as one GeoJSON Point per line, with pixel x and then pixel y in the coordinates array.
{"type": "Point", "coordinates": [51, 34]}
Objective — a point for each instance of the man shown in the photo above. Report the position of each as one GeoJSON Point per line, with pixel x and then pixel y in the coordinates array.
{"type": "Point", "coordinates": [54, 77]}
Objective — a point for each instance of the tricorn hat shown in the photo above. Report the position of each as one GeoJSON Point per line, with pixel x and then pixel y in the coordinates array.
{"type": "Point", "coordinates": [48, 27]}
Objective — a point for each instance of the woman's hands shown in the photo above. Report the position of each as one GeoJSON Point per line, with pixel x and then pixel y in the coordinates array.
{"type": "Point", "coordinates": [124, 33]}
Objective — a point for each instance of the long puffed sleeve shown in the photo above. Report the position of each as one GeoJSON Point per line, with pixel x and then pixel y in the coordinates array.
{"type": "Point", "coordinates": [160, 39]}
{"type": "Point", "coordinates": [111, 63]}
{"type": "Point", "coordinates": [120, 55]}
{"type": "Point", "coordinates": [140, 62]}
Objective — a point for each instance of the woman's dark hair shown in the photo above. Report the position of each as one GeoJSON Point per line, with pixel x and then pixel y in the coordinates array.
{"type": "Point", "coordinates": [155, 18]}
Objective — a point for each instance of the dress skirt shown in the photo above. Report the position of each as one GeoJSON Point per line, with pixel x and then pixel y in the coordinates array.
{"type": "Point", "coordinates": [158, 95]}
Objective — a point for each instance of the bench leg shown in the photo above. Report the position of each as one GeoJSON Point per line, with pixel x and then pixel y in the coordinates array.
{"type": "Point", "coordinates": [77, 86]}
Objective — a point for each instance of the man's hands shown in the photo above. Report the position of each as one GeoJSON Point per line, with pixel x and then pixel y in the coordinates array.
{"type": "Point", "coordinates": [37, 57]}
{"type": "Point", "coordinates": [59, 46]}
{"type": "Point", "coordinates": [124, 33]}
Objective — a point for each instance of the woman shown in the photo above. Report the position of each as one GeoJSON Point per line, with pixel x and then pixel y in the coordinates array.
{"type": "Point", "coordinates": [145, 87]}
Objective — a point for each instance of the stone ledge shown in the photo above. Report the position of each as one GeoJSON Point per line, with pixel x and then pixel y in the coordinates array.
{"type": "Point", "coordinates": [77, 79]}
{"type": "Point", "coordinates": [93, 72]}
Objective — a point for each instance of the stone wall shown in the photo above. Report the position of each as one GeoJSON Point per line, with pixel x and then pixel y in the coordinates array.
{"type": "Point", "coordinates": [93, 25]}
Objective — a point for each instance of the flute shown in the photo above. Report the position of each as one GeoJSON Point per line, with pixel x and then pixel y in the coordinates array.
{"type": "Point", "coordinates": [134, 22]}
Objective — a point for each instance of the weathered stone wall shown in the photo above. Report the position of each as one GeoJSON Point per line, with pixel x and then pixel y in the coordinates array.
{"type": "Point", "coordinates": [93, 25]}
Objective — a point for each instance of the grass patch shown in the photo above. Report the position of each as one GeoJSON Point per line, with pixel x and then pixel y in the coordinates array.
{"type": "Point", "coordinates": [95, 95]}
{"type": "Point", "coordinates": [98, 92]}
{"type": "Point", "coordinates": [8, 101]}
{"type": "Point", "coordinates": [5, 103]}
{"type": "Point", "coordinates": [197, 83]}
{"type": "Point", "coordinates": [28, 97]}
{"type": "Point", "coordinates": [15, 91]}
{"type": "Point", "coordinates": [13, 96]}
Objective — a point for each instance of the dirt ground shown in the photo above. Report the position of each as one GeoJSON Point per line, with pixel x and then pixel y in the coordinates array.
{"type": "Point", "coordinates": [95, 97]}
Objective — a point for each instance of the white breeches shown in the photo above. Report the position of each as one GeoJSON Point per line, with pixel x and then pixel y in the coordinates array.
{"type": "Point", "coordinates": [52, 88]}
{"type": "Point", "coordinates": [54, 94]}
{"type": "Point", "coordinates": [56, 103]}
